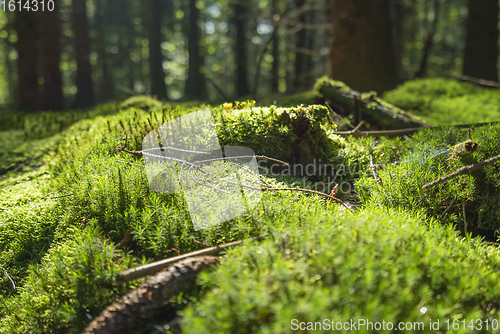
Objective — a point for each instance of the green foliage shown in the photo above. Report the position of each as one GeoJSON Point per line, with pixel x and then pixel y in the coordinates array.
{"type": "Point", "coordinates": [72, 284]}
{"type": "Point", "coordinates": [275, 132]}
{"type": "Point", "coordinates": [431, 156]}
{"type": "Point", "coordinates": [145, 103]}
{"type": "Point", "coordinates": [327, 264]}
{"type": "Point", "coordinates": [444, 101]}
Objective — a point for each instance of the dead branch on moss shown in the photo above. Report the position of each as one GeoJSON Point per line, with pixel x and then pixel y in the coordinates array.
{"type": "Point", "coordinates": [401, 132]}
{"type": "Point", "coordinates": [374, 172]}
{"type": "Point", "coordinates": [465, 220]}
{"type": "Point", "coordinates": [8, 276]}
{"type": "Point", "coordinates": [136, 308]}
{"type": "Point", "coordinates": [463, 170]}
{"type": "Point", "coordinates": [197, 165]}
{"type": "Point", "coordinates": [480, 82]}
{"type": "Point", "coordinates": [154, 267]}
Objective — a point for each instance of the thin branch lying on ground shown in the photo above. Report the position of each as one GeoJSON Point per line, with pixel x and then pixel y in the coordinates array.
{"type": "Point", "coordinates": [8, 276]}
{"type": "Point", "coordinates": [154, 267]}
{"type": "Point", "coordinates": [465, 220]}
{"type": "Point", "coordinates": [197, 165]}
{"type": "Point", "coordinates": [374, 172]}
{"type": "Point", "coordinates": [478, 81]}
{"type": "Point", "coordinates": [463, 170]}
{"type": "Point", "coordinates": [401, 132]}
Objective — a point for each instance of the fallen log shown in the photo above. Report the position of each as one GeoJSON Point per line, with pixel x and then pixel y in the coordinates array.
{"type": "Point", "coordinates": [365, 106]}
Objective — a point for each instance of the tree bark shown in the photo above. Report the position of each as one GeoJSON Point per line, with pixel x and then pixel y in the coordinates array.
{"type": "Point", "coordinates": [196, 87]}
{"type": "Point", "coordinates": [107, 86]}
{"type": "Point", "coordinates": [300, 43]}
{"type": "Point", "coordinates": [398, 19]}
{"type": "Point", "coordinates": [85, 91]}
{"type": "Point", "coordinates": [240, 54]}
{"type": "Point", "coordinates": [422, 71]}
{"type": "Point", "coordinates": [362, 53]}
{"type": "Point", "coordinates": [275, 51]}
{"type": "Point", "coordinates": [51, 57]}
{"type": "Point", "coordinates": [27, 48]}
{"type": "Point", "coordinates": [156, 72]}
{"type": "Point", "coordinates": [481, 45]}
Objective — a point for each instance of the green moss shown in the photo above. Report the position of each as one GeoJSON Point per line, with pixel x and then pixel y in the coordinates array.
{"type": "Point", "coordinates": [326, 264]}
{"type": "Point", "coordinates": [444, 101]}
{"type": "Point", "coordinates": [430, 157]}
{"type": "Point", "coordinates": [143, 102]}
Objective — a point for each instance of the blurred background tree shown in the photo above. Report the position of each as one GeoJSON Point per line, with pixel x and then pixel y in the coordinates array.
{"type": "Point", "coordinates": [227, 49]}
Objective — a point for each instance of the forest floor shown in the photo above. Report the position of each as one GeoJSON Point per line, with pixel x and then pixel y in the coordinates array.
{"type": "Point", "coordinates": [75, 211]}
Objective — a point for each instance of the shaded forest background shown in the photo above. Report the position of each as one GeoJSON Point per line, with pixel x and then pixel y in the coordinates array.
{"type": "Point", "coordinates": [92, 51]}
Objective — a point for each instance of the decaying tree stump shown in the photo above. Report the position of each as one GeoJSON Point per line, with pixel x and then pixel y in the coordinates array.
{"type": "Point", "coordinates": [365, 106]}
{"type": "Point", "coordinates": [134, 309]}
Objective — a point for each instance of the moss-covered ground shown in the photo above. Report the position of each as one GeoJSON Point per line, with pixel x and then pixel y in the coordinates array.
{"type": "Point", "coordinates": [68, 198]}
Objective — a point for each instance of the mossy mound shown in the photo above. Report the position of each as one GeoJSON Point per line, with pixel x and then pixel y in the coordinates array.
{"type": "Point", "coordinates": [327, 266]}
{"type": "Point", "coordinates": [294, 135]}
{"type": "Point", "coordinates": [445, 101]}
{"type": "Point", "coordinates": [430, 156]}
{"type": "Point", "coordinates": [143, 102]}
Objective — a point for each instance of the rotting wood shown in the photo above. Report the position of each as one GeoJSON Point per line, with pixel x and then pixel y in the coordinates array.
{"type": "Point", "coordinates": [375, 111]}
{"type": "Point", "coordinates": [464, 170]}
{"type": "Point", "coordinates": [135, 309]}
{"type": "Point", "coordinates": [480, 82]}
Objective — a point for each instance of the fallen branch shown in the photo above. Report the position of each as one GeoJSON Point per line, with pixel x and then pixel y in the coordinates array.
{"type": "Point", "coordinates": [154, 267]}
{"type": "Point", "coordinates": [463, 170]}
{"type": "Point", "coordinates": [8, 276]}
{"type": "Point", "coordinates": [136, 308]}
{"type": "Point", "coordinates": [401, 132]}
{"type": "Point", "coordinates": [465, 220]}
{"type": "Point", "coordinates": [480, 82]}
{"type": "Point", "coordinates": [374, 172]}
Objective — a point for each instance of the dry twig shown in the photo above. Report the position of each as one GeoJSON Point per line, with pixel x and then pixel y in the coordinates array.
{"type": "Point", "coordinates": [463, 170]}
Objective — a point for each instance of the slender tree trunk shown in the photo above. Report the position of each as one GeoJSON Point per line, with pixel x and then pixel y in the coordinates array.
{"type": "Point", "coordinates": [107, 85]}
{"type": "Point", "coordinates": [481, 45]}
{"type": "Point", "coordinates": [85, 91]}
{"type": "Point", "coordinates": [398, 19]}
{"type": "Point", "coordinates": [362, 52]}
{"type": "Point", "coordinates": [51, 57]}
{"type": "Point", "coordinates": [300, 44]}
{"type": "Point", "coordinates": [275, 51]}
{"type": "Point", "coordinates": [27, 49]}
{"type": "Point", "coordinates": [156, 72]}
{"type": "Point", "coordinates": [310, 40]}
{"type": "Point", "coordinates": [195, 84]}
{"type": "Point", "coordinates": [240, 54]}
{"type": "Point", "coordinates": [422, 71]}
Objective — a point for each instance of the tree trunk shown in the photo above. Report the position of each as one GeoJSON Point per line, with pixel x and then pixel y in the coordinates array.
{"type": "Point", "coordinates": [398, 19]}
{"type": "Point", "coordinates": [300, 44]}
{"type": "Point", "coordinates": [422, 71]}
{"type": "Point", "coordinates": [107, 86]}
{"type": "Point", "coordinates": [275, 51]}
{"type": "Point", "coordinates": [481, 45]}
{"type": "Point", "coordinates": [156, 72]}
{"type": "Point", "coordinates": [195, 84]}
{"type": "Point", "coordinates": [28, 57]}
{"type": "Point", "coordinates": [85, 91]}
{"type": "Point", "coordinates": [51, 57]}
{"type": "Point", "coordinates": [362, 53]}
{"type": "Point", "coordinates": [240, 54]}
